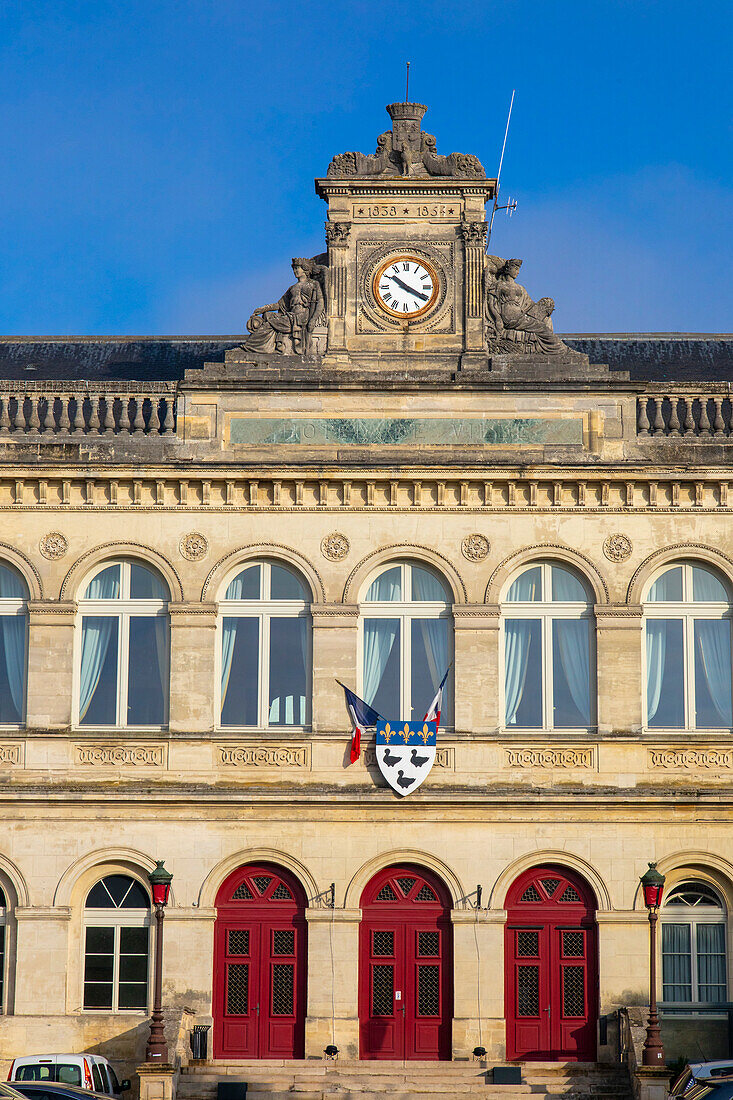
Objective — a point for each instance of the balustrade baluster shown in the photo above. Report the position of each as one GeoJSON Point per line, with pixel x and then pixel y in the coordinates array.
{"type": "Point", "coordinates": [168, 421]}
{"type": "Point", "coordinates": [23, 418]}
{"type": "Point", "coordinates": [642, 420]}
{"type": "Point", "coordinates": [64, 422]}
{"type": "Point", "coordinates": [689, 422]}
{"type": "Point", "coordinates": [138, 424]}
{"type": "Point", "coordinates": [674, 420]}
{"type": "Point", "coordinates": [94, 412]}
{"type": "Point", "coordinates": [48, 417]}
{"type": "Point", "coordinates": [659, 426]}
{"type": "Point", "coordinates": [77, 424]}
{"type": "Point", "coordinates": [154, 422]}
{"type": "Point", "coordinates": [125, 418]}
{"type": "Point", "coordinates": [108, 423]}
{"type": "Point", "coordinates": [5, 414]}
{"type": "Point", "coordinates": [718, 422]}
{"type": "Point", "coordinates": [704, 426]}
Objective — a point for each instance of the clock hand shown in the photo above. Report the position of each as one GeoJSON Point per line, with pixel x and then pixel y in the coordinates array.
{"type": "Point", "coordinates": [409, 289]}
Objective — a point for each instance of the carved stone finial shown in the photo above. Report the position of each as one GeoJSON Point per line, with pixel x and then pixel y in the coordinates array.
{"type": "Point", "coordinates": [405, 150]}
{"type": "Point", "coordinates": [514, 323]}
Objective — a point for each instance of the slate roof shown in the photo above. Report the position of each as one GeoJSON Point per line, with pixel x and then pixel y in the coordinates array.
{"type": "Point", "coordinates": [647, 356]}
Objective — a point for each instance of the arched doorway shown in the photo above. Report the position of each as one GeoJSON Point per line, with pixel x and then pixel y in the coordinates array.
{"type": "Point", "coordinates": [405, 966]}
{"type": "Point", "coordinates": [551, 967]}
{"type": "Point", "coordinates": [260, 965]}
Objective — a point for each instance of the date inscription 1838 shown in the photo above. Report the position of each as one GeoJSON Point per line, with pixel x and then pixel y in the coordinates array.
{"type": "Point", "coordinates": [365, 211]}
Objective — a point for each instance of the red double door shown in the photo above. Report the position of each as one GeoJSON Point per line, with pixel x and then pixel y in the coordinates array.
{"type": "Point", "coordinates": [260, 965]}
{"type": "Point", "coordinates": [405, 967]}
{"type": "Point", "coordinates": [551, 968]}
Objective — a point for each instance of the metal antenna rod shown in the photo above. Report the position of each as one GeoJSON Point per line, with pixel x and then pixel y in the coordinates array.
{"type": "Point", "coordinates": [498, 174]}
{"type": "Point", "coordinates": [407, 84]}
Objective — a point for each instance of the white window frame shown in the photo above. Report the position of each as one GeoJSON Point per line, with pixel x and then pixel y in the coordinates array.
{"type": "Point", "coordinates": [4, 957]}
{"type": "Point", "coordinates": [123, 609]}
{"type": "Point", "coordinates": [687, 610]}
{"type": "Point", "coordinates": [117, 919]}
{"type": "Point", "coordinates": [547, 610]}
{"type": "Point", "coordinates": [698, 914]}
{"type": "Point", "coordinates": [18, 606]}
{"type": "Point", "coordinates": [406, 610]}
{"type": "Point", "coordinates": [264, 610]}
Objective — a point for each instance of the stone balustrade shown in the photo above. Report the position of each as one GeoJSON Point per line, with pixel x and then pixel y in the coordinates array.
{"type": "Point", "coordinates": [707, 416]}
{"type": "Point", "coordinates": [50, 411]}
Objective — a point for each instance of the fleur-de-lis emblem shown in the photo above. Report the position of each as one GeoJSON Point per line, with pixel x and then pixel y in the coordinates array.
{"type": "Point", "coordinates": [425, 734]}
{"type": "Point", "coordinates": [405, 733]}
{"type": "Point", "coordinates": [388, 733]}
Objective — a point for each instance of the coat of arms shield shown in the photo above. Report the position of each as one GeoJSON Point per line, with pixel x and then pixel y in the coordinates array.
{"type": "Point", "coordinates": [405, 753]}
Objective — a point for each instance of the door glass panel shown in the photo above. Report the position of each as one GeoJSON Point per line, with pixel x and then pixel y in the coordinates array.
{"type": "Point", "coordinates": [239, 671]}
{"type": "Point", "coordinates": [148, 664]}
{"type": "Point", "coordinates": [573, 991]}
{"type": "Point", "coordinates": [283, 985]}
{"type": "Point", "coordinates": [712, 673]}
{"type": "Point", "coordinates": [528, 945]}
{"type": "Point", "coordinates": [98, 681]}
{"type": "Point", "coordinates": [238, 941]}
{"type": "Point", "coordinates": [572, 945]}
{"type": "Point", "coordinates": [382, 990]}
{"type": "Point", "coordinates": [428, 990]}
{"type": "Point", "coordinates": [406, 884]}
{"type": "Point", "coordinates": [428, 943]}
{"type": "Point", "coordinates": [287, 672]}
{"type": "Point", "coordinates": [523, 673]}
{"type": "Point", "coordinates": [550, 885]}
{"type": "Point", "coordinates": [665, 673]}
{"type": "Point", "coordinates": [237, 989]}
{"type": "Point", "coordinates": [262, 882]}
{"type": "Point", "coordinates": [283, 941]}
{"type": "Point", "coordinates": [528, 990]}
{"type": "Point", "coordinates": [383, 943]}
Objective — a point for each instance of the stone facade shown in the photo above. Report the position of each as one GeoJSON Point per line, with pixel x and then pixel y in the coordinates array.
{"type": "Point", "coordinates": [414, 446]}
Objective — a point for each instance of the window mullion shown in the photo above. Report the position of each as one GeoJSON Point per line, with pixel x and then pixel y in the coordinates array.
{"type": "Point", "coordinates": [547, 669]}
{"type": "Point", "coordinates": [406, 685]}
{"type": "Point", "coordinates": [689, 665]}
{"type": "Point", "coordinates": [264, 671]}
{"type": "Point", "coordinates": [123, 662]}
{"type": "Point", "coordinates": [116, 970]}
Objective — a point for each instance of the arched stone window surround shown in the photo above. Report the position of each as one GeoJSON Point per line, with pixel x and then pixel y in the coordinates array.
{"type": "Point", "coordinates": [13, 557]}
{"type": "Point", "coordinates": [117, 669]}
{"type": "Point", "coordinates": [228, 566]}
{"type": "Point", "coordinates": [250, 634]}
{"type": "Point", "coordinates": [83, 568]}
{"type": "Point", "coordinates": [502, 884]}
{"type": "Point", "coordinates": [8, 932]}
{"type": "Point", "coordinates": [218, 874]}
{"type": "Point", "coordinates": [684, 552]}
{"type": "Point", "coordinates": [513, 564]}
{"type": "Point", "coordinates": [369, 566]}
{"type": "Point", "coordinates": [363, 876]}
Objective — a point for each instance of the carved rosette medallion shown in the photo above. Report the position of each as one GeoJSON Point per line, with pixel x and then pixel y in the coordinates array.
{"type": "Point", "coordinates": [335, 546]}
{"type": "Point", "coordinates": [617, 548]}
{"type": "Point", "coordinates": [53, 545]}
{"type": "Point", "coordinates": [475, 547]}
{"type": "Point", "coordinates": [193, 546]}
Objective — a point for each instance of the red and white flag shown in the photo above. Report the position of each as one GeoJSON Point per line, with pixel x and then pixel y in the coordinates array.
{"type": "Point", "coordinates": [433, 714]}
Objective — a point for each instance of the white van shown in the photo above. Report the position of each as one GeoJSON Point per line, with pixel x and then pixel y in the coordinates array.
{"type": "Point", "coordinates": [88, 1071]}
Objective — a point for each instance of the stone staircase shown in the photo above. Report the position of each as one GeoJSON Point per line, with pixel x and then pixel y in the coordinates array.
{"type": "Point", "coordinates": [346, 1080]}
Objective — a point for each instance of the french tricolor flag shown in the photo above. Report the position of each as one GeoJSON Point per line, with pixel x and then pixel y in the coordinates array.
{"type": "Point", "coordinates": [362, 717]}
{"type": "Point", "coordinates": [433, 714]}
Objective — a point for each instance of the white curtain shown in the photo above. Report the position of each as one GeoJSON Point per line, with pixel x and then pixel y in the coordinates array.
{"type": "Point", "coordinates": [676, 962]}
{"type": "Point", "coordinates": [379, 637]}
{"type": "Point", "coordinates": [11, 586]}
{"type": "Point", "coordinates": [713, 640]}
{"type": "Point", "coordinates": [567, 588]}
{"type": "Point", "coordinates": [527, 586]}
{"type": "Point", "coordinates": [387, 586]}
{"type": "Point", "coordinates": [289, 709]}
{"type": "Point", "coordinates": [228, 638]}
{"type": "Point", "coordinates": [656, 652]}
{"type": "Point", "coordinates": [435, 639]}
{"type": "Point", "coordinates": [96, 631]}
{"type": "Point", "coordinates": [572, 639]}
{"type": "Point", "coordinates": [517, 637]}
{"type": "Point", "coordinates": [13, 638]}
{"type": "Point", "coordinates": [707, 587]}
{"type": "Point", "coordinates": [711, 980]}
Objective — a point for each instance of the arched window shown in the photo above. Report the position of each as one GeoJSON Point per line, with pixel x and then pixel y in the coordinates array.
{"type": "Point", "coordinates": [407, 641]}
{"type": "Point", "coordinates": [693, 945]}
{"type": "Point", "coordinates": [687, 616]}
{"type": "Point", "coordinates": [265, 648]}
{"type": "Point", "coordinates": [549, 650]}
{"type": "Point", "coordinates": [116, 945]}
{"type": "Point", "coordinates": [3, 947]}
{"type": "Point", "coordinates": [13, 596]}
{"type": "Point", "coordinates": [123, 655]}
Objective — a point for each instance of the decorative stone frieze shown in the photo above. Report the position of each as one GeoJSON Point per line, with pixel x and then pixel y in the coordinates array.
{"type": "Point", "coordinates": [121, 756]}
{"type": "Point", "coordinates": [265, 756]}
{"type": "Point", "coordinates": [617, 548]}
{"type": "Point", "coordinates": [53, 545]}
{"type": "Point", "coordinates": [335, 546]}
{"type": "Point", "coordinates": [691, 759]}
{"type": "Point", "coordinates": [475, 547]}
{"type": "Point", "coordinates": [560, 757]}
{"type": "Point", "coordinates": [11, 754]}
{"type": "Point", "coordinates": [194, 546]}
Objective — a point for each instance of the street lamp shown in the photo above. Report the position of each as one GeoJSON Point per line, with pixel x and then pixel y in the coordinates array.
{"type": "Point", "coordinates": [652, 884]}
{"type": "Point", "coordinates": [160, 884]}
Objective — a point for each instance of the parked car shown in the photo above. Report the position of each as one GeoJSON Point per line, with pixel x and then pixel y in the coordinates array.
{"type": "Point", "coordinates": [52, 1090]}
{"type": "Point", "coordinates": [87, 1071]}
{"type": "Point", "coordinates": [7, 1092]}
{"type": "Point", "coordinates": [701, 1079]}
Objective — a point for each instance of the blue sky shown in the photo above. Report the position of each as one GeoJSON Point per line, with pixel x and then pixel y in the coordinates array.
{"type": "Point", "coordinates": [158, 156]}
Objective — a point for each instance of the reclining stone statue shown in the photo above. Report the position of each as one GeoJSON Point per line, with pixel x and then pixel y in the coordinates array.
{"type": "Point", "coordinates": [286, 327]}
{"type": "Point", "coordinates": [514, 322]}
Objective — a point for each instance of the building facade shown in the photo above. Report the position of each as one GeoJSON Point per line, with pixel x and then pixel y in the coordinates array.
{"type": "Point", "coordinates": [400, 467]}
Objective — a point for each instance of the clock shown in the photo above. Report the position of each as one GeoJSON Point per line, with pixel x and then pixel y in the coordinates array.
{"type": "Point", "coordinates": [405, 286]}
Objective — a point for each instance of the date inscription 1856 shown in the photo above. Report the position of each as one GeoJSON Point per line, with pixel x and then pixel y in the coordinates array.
{"type": "Point", "coordinates": [364, 211]}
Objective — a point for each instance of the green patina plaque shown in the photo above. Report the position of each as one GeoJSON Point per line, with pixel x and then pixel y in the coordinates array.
{"type": "Point", "coordinates": [393, 431]}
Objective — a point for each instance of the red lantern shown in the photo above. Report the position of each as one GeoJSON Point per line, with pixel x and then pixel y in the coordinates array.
{"type": "Point", "coordinates": [160, 882]}
{"type": "Point", "coordinates": [653, 885]}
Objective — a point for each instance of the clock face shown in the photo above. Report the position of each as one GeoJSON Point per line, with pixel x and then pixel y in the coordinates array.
{"type": "Point", "coordinates": [406, 286]}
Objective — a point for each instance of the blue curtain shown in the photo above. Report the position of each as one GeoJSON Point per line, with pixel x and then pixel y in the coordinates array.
{"type": "Point", "coordinates": [427, 587]}
{"type": "Point", "coordinates": [13, 638]}
{"type": "Point", "coordinates": [527, 586]}
{"type": "Point", "coordinates": [676, 963]}
{"type": "Point", "coordinates": [656, 652]}
{"type": "Point", "coordinates": [228, 638]}
{"type": "Point", "coordinates": [435, 639]}
{"type": "Point", "coordinates": [246, 585]}
{"type": "Point", "coordinates": [516, 655]}
{"type": "Point", "coordinates": [566, 587]}
{"type": "Point", "coordinates": [387, 586]}
{"type": "Point", "coordinates": [711, 979]}
{"type": "Point", "coordinates": [707, 587]}
{"type": "Point", "coordinates": [11, 586]}
{"type": "Point", "coordinates": [668, 587]}
{"type": "Point", "coordinates": [713, 640]}
{"type": "Point", "coordinates": [574, 646]}
{"type": "Point", "coordinates": [379, 638]}
{"type": "Point", "coordinates": [96, 631]}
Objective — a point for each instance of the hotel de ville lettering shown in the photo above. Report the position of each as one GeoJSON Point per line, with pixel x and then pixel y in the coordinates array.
{"type": "Point", "coordinates": [513, 548]}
